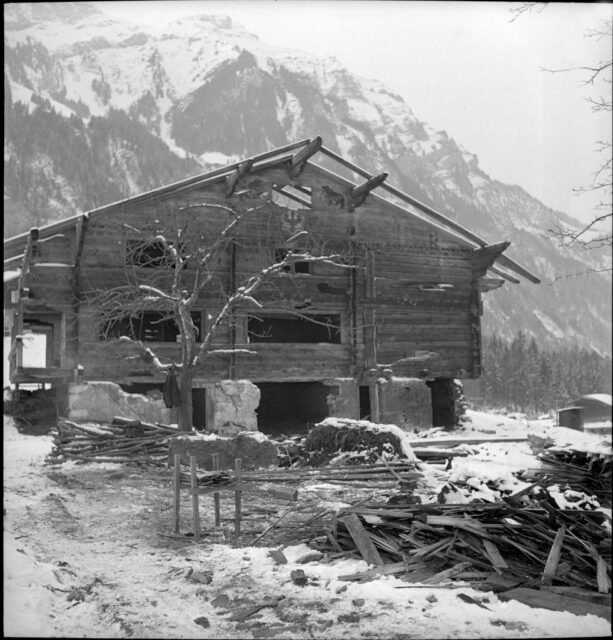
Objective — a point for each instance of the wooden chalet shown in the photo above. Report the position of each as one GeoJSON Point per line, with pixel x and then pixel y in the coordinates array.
{"type": "Point", "coordinates": [409, 306]}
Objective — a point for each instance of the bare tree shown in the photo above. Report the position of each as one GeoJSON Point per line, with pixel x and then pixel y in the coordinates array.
{"type": "Point", "coordinates": [177, 261]}
{"type": "Point", "coordinates": [591, 234]}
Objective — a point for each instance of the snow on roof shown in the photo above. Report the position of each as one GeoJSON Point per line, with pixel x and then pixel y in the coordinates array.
{"type": "Point", "coordinates": [605, 398]}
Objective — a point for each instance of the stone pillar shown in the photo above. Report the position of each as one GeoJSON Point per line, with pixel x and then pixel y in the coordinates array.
{"type": "Point", "coordinates": [405, 402]}
{"type": "Point", "coordinates": [234, 407]}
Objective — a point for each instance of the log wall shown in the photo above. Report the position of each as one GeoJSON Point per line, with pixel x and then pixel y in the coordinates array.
{"type": "Point", "coordinates": [410, 299]}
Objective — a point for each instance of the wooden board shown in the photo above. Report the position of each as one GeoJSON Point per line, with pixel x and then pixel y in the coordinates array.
{"type": "Point", "coordinates": [545, 599]}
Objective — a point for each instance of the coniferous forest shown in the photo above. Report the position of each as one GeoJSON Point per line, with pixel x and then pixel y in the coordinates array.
{"type": "Point", "coordinates": [518, 375]}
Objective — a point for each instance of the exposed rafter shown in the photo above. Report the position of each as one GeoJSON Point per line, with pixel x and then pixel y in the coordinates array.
{"type": "Point", "coordinates": [503, 274]}
{"type": "Point", "coordinates": [232, 180]}
{"type": "Point", "coordinates": [293, 196]}
{"type": "Point", "coordinates": [300, 159]}
{"type": "Point", "coordinates": [483, 258]}
{"type": "Point", "coordinates": [359, 193]}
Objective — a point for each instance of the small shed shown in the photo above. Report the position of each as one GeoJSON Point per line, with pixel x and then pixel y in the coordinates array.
{"type": "Point", "coordinates": [588, 410]}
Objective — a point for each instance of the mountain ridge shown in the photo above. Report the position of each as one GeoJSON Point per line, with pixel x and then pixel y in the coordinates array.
{"type": "Point", "coordinates": [143, 106]}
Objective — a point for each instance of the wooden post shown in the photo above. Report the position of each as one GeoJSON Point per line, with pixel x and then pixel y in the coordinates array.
{"type": "Point", "coordinates": [216, 495]}
{"type": "Point", "coordinates": [237, 497]}
{"type": "Point", "coordinates": [177, 490]}
{"type": "Point", "coordinates": [195, 510]}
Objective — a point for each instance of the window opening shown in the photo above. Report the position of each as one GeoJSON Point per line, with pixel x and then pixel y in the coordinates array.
{"type": "Point", "coordinates": [300, 266]}
{"type": "Point", "coordinates": [151, 254]}
{"type": "Point", "coordinates": [307, 329]}
{"type": "Point", "coordinates": [150, 326]}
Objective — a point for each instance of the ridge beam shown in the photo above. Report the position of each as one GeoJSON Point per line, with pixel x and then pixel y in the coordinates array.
{"type": "Point", "coordinates": [232, 180]}
{"type": "Point", "coordinates": [300, 159]}
{"type": "Point", "coordinates": [359, 193]}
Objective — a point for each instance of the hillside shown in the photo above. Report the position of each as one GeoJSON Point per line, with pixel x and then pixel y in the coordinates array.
{"type": "Point", "coordinates": [97, 109]}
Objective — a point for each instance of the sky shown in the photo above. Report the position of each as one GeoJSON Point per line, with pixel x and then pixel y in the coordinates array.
{"type": "Point", "coordinates": [465, 67]}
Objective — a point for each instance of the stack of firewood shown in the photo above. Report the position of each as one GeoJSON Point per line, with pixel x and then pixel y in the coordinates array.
{"type": "Point", "coordinates": [123, 440]}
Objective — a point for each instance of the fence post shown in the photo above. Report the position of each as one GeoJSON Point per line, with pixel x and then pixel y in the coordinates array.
{"type": "Point", "coordinates": [216, 495]}
{"type": "Point", "coordinates": [237, 497]}
{"type": "Point", "coordinates": [195, 509]}
{"type": "Point", "coordinates": [177, 491]}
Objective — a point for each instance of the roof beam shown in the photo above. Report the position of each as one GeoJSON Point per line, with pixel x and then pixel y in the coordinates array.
{"type": "Point", "coordinates": [359, 193]}
{"type": "Point", "coordinates": [232, 180]}
{"type": "Point", "coordinates": [503, 274]}
{"type": "Point", "coordinates": [303, 201]}
{"type": "Point", "coordinates": [300, 159]}
{"type": "Point", "coordinates": [483, 258]}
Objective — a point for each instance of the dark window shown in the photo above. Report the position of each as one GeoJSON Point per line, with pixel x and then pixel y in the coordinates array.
{"type": "Point", "coordinates": [312, 328]}
{"type": "Point", "coordinates": [300, 266]}
{"type": "Point", "coordinates": [150, 326]}
{"type": "Point", "coordinates": [148, 254]}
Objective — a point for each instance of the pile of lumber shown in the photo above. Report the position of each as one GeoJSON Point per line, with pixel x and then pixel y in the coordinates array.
{"type": "Point", "coordinates": [383, 474]}
{"type": "Point", "coordinates": [584, 471]}
{"type": "Point", "coordinates": [123, 440]}
{"type": "Point", "coordinates": [489, 545]}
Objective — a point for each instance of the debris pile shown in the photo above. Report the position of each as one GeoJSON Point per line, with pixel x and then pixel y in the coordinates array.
{"type": "Point", "coordinates": [574, 470]}
{"type": "Point", "coordinates": [121, 441]}
{"type": "Point", "coordinates": [492, 546]}
{"type": "Point", "coordinates": [354, 442]}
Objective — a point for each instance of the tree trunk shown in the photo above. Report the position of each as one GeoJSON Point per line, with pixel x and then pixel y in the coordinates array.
{"type": "Point", "coordinates": [185, 380]}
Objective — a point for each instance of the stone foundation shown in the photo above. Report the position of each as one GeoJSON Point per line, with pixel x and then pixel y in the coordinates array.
{"type": "Point", "coordinates": [234, 407]}
{"type": "Point", "coordinates": [102, 401]}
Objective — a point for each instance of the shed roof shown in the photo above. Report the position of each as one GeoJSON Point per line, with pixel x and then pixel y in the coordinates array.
{"type": "Point", "coordinates": [294, 156]}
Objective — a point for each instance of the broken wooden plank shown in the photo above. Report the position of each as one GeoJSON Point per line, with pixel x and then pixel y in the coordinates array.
{"type": "Point", "coordinates": [447, 573]}
{"type": "Point", "coordinates": [494, 555]}
{"type": "Point", "coordinates": [604, 584]}
{"type": "Point", "coordinates": [362, 539]}
{"type": "Point", "coordinates": [581, 594]}
{"type": "Point", "coordinates": [555, 602]}
{"type": "Point", "coordinates": [459, 523]}
{"type": "Point", "coordinates": [554, 557]}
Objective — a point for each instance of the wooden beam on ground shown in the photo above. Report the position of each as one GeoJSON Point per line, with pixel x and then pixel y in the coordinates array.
{"type": "Point", "coordinates": [359, 193]}
{"type": "Point", "coordinates": [300, 159]}
{"type": "Point", "coordinates": [555, 602]}
{"type": "Point", "coordinates": [362, 539]}
{"type": "Point", "coordinates": [232, 180]}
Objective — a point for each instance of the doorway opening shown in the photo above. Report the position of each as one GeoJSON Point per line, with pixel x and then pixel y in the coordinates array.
{"type": "Point", "coordinates": [364, 402]}
{"type": "Point", "coordinates": [291, 408]}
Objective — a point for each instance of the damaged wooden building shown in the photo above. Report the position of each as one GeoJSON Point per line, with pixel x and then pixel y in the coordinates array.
{"type": "Point", "coordinates": [380, 334]}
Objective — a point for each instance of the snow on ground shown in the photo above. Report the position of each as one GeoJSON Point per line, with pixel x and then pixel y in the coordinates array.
{"type": "Point", "coordinates": [89, 552]}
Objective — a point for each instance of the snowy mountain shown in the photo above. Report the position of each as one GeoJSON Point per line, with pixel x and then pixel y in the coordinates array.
{"type": "Point", "coordinates": [97, 109]}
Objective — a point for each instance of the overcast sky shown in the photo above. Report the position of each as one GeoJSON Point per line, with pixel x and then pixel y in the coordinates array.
{"type": "Point", "coordinates": [461, 66]}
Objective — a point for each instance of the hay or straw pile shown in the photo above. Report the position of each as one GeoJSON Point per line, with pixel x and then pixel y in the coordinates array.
{"type": "Point", "coordinates": [344, 441]}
